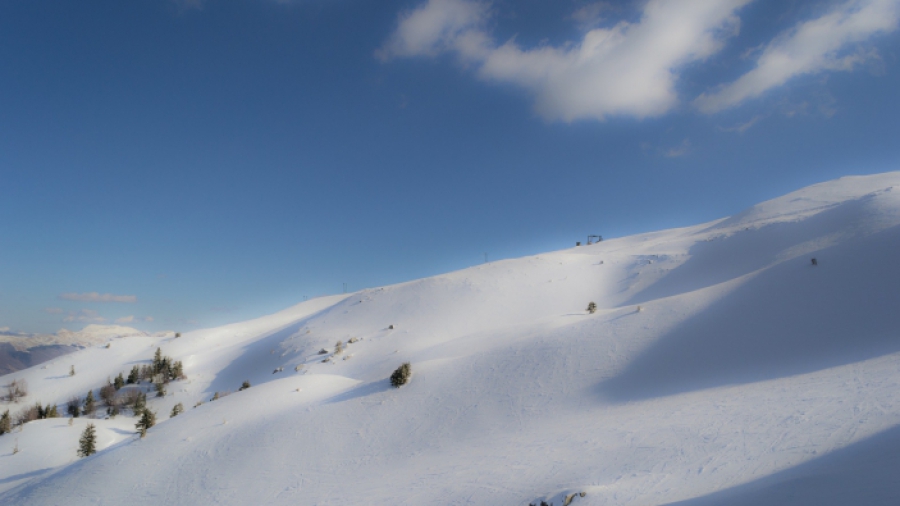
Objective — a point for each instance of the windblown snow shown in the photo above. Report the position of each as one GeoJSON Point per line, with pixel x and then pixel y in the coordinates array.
{"type": "Point", "coordinates": [721, 367]}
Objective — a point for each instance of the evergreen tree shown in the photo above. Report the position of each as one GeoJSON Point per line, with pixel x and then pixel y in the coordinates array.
{"type": "Point", "coordinates": [5, 423]}
{"type": "Point", "coordinates": [177, 410]}
{"type": "Point", "coordinates": [157, 361]}
{"type": "Point", "coordinates": [148, 419]}
{"type": "Point", "coordinates": [134, 376]}
{"type": "Point", "coordinates": [139, 403]}
{"type": "Point", "coordinates": [51, 412]}
{"type": "Point", "coordinates": [119, 382]}
{"type": "Point", "coordinates": [72, 370]}
{"type": "Point", "coordinates": [244, 386]}
{"type": "Point", "coordinates": [401, 376]}
{"type": "Point", "coordinates": [160, 389]}
{"type": "Point", "coordinates": [592, 308]}
{"type": "Point", "coordinates": [89, 405]}
{"type": "Point", "coordinates": [87, 445]}
{"type": "Point", "coordinates": [73, 407]}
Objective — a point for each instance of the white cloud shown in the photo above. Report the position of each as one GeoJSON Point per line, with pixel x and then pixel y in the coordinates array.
{"type": "Point", "coordinates": [629, 69]}
{"type": "Point", "coordinates": [434, 27]}
{"type": "Point", "coordinates": [822, 44]}
{"type": "Point", "coordinates": [97, 297]}
{"type": "Point", "coordinates": [85, 315]}
{"type": "Point", "coordinates": [125, 319]}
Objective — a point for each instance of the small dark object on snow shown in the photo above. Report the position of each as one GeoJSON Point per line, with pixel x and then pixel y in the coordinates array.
{"type": "Point", "coordinates": [278, 370]}
{"type": "Point", "coordinates": [815, 262]}
{"type": "Point", "coordinates": [390, 327]}
{"type": "Point", "coordinates": [401, 376]}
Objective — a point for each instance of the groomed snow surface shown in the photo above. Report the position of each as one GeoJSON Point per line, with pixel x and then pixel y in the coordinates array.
{"type": "Point", "coordinates": [721, 368]}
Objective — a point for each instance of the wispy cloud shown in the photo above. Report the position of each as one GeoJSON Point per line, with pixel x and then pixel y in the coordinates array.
{"type": "Point", "coordinates": [742, 127]}
{"type": "Point", "coordinates": [97, 297]}
{"type": "Point", "coordinates": [84, 316]}
{"type": "Point", "coordinates": [125, 319]}
{"type": "Point", "coordinates": [681, 150]}
{"type": "Point", "coordinates": [827, 43]}
{"type": "Point", "coordinates": [53, 310]}
{"type": "Point", "coordinates": [630, 69]}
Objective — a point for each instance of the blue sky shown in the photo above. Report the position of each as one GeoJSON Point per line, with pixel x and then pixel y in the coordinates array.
{"type": "Point", "coordinates": [177, 164]}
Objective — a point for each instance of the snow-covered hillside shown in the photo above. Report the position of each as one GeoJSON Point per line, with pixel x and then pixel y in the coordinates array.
{"type": "Point", "coordinates": [721, 367]}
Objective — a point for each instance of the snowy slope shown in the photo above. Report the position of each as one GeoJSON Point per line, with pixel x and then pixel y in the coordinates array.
{"type": "Point", "coordinates": [721, 367]}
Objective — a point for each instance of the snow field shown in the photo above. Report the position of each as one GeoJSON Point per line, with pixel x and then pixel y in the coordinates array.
{"type": "Point", "coordinates": [747, 375]}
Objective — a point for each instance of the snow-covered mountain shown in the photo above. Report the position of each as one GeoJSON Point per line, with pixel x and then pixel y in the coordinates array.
{"type": "Point", "coordinates": [722, 366]}
{"type": "Point", "coordinates": [19, 350]}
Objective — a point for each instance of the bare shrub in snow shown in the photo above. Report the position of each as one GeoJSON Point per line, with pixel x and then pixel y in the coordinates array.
{"type": "Point", "coordinates": [5, 423]}
{"type": "Point", "coordinates": [338, 347]}
{"type": "Point", "coordinates": [108, 395]}
{"type": "Point", "coordinates": [245, 385]}
{"type": "Point", "coordinates": [16, 390]}
{"type": "Point", "coordinates": [592, 307]}
{"type": "Point", "coordinates": [176, 410]}
{"type": "Point", "coordinates": [401, 375]}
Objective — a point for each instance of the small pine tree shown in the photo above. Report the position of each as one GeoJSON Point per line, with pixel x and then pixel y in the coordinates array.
{"type": "Point", "coordinates": [245, 385]}
{"type": "Point", "coordinates": [73, 407]}
{"type": "Point", "coordinates": [592, 308]}
{"type": "Point", "coordinates": [401, 376]}
{"type": "Point", "coordinates": [178, 370]}
{"type": "Point", "coordinates": [72, 370]}
{"type": "Point", "coordinates": [157, 361]}
{"type": "Point", "coordinates": [140, 403]}
{"type": "Point", "coordinates": [51, 412]}
{"type": "Point", "coordinates": [148, 419]}
{"type": "Point", "coordinates": [134, 376]}
{"type": "Point", "coordinates": [160, 389]}
{"type": "Point", "coordinates": [119, 382]}
{"type": "Point", "coordinates": [5, 423]}
{"type": "Point", "coordinates": [177, 410]}
{"type": "Point", "coordinates": [90, 407]}
{"type": "Point", "coordinates": [87, 445]}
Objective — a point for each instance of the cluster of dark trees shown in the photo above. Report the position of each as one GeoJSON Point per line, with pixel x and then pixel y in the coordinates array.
{"type": "Point", "coordinates": [115, 396]}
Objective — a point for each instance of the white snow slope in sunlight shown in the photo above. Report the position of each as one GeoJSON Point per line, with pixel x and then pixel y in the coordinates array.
{"type": "Point", "coordinates": [721, 367]}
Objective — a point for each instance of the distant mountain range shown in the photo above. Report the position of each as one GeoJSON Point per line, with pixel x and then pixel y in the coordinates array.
{"type": "Point", "coordinates": [20, 350]}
